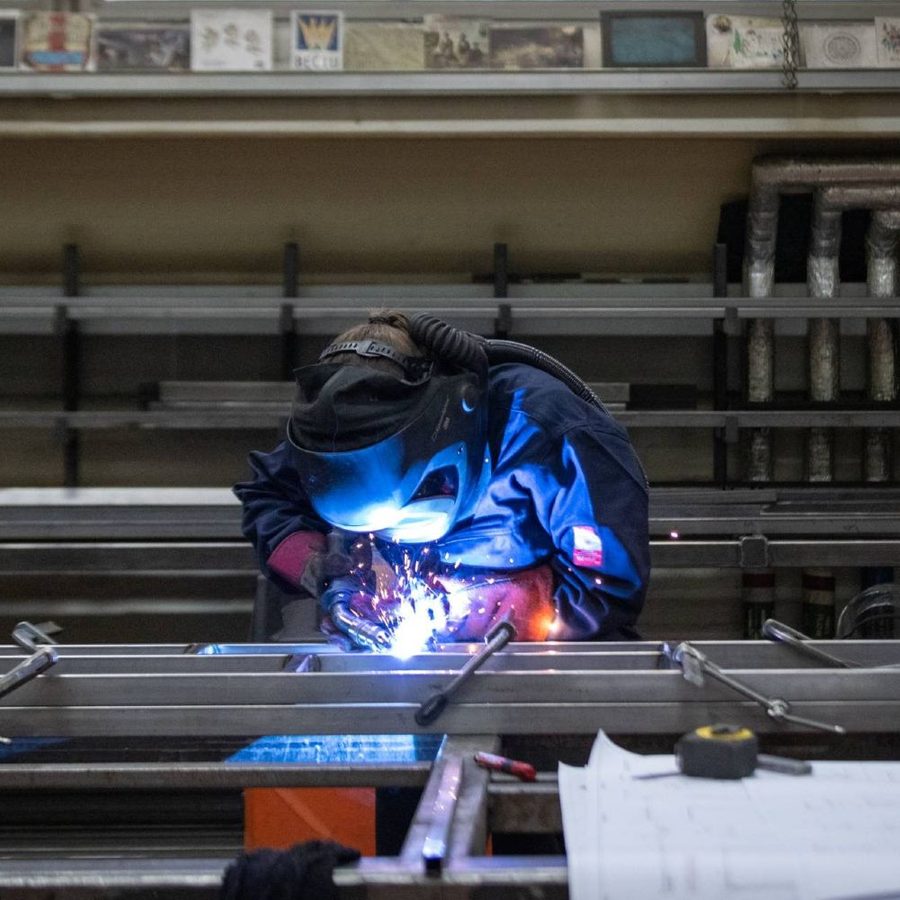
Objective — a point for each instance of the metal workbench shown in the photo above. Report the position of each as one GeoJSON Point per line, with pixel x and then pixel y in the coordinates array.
{"type": "Point", "coordinates": [534, 696]}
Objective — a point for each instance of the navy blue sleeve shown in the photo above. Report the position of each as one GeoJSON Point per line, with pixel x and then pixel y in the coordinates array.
{"type": "Point", "coordinates": [276, 508]}
{"type": "Point", "coordinates": [598, 522]}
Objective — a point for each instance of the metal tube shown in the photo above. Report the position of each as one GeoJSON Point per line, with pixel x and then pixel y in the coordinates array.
{"type": "Point", "coordinates": [881, 243]}
{"type": "Point", "coordinates": [436, 846]}
{"type": "Point", "coordinates": [27, 669]}
{"type": "Point", "coordinates": [760, 348]}
{"type": "Point", "coordinates": [758, 600]}
{"type": "Point", "coordinates": [818, 602]}
{"type": "Point", "coordinates": [823, 281]}
{"type": "Point", "coordinates": [778, 631]}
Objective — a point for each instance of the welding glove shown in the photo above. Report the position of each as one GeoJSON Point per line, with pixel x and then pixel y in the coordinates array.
{"type": "Point", "coordinates": [523, 598]}
{"type": "Point", "coordinates": [310, 561]}
{"type": "Point", "coordinates": [353, 562]}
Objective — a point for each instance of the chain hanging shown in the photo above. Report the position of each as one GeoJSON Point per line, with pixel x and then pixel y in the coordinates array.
{"type": "Point", "coordinates": [790, 41]}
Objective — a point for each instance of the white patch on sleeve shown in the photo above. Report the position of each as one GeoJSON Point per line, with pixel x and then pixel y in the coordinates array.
{"type": "Point", "coordinates": [587, 548]}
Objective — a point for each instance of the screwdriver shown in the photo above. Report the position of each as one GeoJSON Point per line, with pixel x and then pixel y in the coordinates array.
{"type": "Point", "coordinates": [522, 770]}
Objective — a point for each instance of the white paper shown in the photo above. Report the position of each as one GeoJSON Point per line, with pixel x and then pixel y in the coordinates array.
{"type": "Point", "coordinates": [744, 42]}
{"type": "Point", "coordinates": [838, 45]}
{"type": "Point", "coordinates": [231, 40]}
{"type": "Point", "coordinates": [833, 834]}
{"type": "Point", "coordinates": [887, 37]}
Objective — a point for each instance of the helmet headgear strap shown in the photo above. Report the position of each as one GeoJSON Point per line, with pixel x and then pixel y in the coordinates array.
{"type": "Point", "coordinates": [416, 369]}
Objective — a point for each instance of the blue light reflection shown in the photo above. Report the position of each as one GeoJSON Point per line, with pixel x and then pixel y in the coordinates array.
{"type": "Point", "coordinates": [371, 749]}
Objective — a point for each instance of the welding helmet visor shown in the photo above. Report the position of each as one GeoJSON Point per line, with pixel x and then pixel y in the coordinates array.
{"type": "Point", "coordinates": [379, 453]}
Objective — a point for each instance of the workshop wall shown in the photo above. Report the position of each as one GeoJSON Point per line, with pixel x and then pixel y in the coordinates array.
{"type": "Point", "coordinates": [203, 210]}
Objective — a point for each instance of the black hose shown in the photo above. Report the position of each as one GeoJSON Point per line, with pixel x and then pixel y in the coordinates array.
{"type": "Point", "coordinates": [449, 344]}
{"type": "Point", "coordinates": [476, 354]}
{"type": "Point", "coordinates": [499, 351]}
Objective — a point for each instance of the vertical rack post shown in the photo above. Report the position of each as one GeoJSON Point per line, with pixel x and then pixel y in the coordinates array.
{"type": "Point", "coordinates": [720, 366]}
{"type": "Point", "coordinates": [286, 327]}
{"type": "Point", "coordinates": [503, 321]}
{"type": "Point", "coordinates": [70, 347]}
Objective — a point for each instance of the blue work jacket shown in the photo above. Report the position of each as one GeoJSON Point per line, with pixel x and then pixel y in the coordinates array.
{"type": "Point", "coordinates": [566, 489]}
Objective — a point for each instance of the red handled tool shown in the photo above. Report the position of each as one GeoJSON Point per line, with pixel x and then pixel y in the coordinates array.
{"type": "Point", "coordinates": [522, 770]}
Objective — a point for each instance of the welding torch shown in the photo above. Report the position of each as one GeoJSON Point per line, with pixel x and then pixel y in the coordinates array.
{"type": "Point", "coordinates": [361, 631]}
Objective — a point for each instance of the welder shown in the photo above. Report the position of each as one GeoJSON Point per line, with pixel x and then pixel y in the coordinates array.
{"type": "Point", "coordinates": [480, 478]}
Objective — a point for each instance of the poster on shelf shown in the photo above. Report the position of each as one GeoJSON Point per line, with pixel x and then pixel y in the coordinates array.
{"type": "Point", "coordinates": [536, 47]}
{"type": "Point", "coordinates": [57, 42]}
{"type": "Point", "coordinates": [838, 45]}
{"type": "Point", "coordinates": [887, 41]}
{"type": "Point", "coordinates": [143, 47]}
{"type": "Point", "coordinates": [744, 42]}
{"type": "Point", "coordinates": [231, 40]}
{"type": "Point", "coordinates": [455, 43]}
{"type": "Point", "coordinates": [9, 38]}
{"type": "Point", "coordinates": [317, 41]}
{"type": "Point", "coordinates": [382, 47]}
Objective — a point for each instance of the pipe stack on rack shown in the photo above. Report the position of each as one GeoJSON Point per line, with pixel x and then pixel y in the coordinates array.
{"type": "Point", "coordinates": [838, 185]}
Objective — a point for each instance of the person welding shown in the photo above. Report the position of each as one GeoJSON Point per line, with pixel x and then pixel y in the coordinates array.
{"type": "Point", "coordinates": [433, 483]}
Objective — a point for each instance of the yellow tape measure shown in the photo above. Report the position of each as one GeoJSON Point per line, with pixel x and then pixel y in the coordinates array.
{"type": "Point", "coordinates": [729, 751]}
{"type": "Point", "coordinates": [718, 751]}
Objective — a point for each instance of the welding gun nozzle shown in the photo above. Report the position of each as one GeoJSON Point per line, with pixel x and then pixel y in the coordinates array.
{"type": "Point", "coordinates": [360, 631]}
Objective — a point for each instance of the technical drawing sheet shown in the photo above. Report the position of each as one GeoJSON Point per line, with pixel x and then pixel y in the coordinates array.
{"type": "Point", "coordinates": [831, 835]}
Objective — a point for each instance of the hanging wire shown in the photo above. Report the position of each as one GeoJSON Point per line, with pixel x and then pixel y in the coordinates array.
{"type": "Point", "coordinates": [790, 41]}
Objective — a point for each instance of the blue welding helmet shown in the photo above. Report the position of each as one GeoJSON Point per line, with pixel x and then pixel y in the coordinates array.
{"type": "Point", "coordinates": [396, 455]}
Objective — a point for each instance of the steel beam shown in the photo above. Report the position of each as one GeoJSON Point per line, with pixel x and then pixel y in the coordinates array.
{"type": "Point", "coordinates": [584, 656]}
{"type": "Point", "coordinates": [344, 690]}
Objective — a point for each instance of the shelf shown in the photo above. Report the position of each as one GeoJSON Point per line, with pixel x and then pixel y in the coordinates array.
{"type": "Point", "coordinates": [226, 419]}
{"type": "Point", "coordinates": [562, 309]}
{"type": "Point", "coordinates": [559, 104]}
{"type": "Point", "coordinates": [442, 84]}
{"type": "Point", "coordinates": [95, 531]}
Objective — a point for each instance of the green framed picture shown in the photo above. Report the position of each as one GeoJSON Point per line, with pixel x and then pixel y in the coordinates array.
{"type": "Point", "coordinates": [653, 39]}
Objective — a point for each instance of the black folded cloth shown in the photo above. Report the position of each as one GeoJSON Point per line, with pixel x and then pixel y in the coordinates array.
{"type": "Point", "coordinates": [302, 872]}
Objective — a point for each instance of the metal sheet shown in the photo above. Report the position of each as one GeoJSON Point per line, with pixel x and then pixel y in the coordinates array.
{"type": "Point", "coordinates": [204, 776]}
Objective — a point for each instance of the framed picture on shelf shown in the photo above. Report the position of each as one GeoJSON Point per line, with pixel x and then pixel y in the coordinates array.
{"type": "Point", "coordinates": [452, 43]}
{"type": "Point", "coordinates": [9, 38]}
{"type": "Point", "coordinates": [838, 45]}
{"type": "Point", "coordinates": [887, 42]}
{"type": "Point", "coordinates": [231, 40]}
{"type": "Point", "coordinates": [317, 41]}
{"type": "Point", "coordinates": [537, 47]}
{"type": "Point", "coordinates": [143, 47]}
{"type": "Point", "coordinates": [744, 42]}
{"type": "Point", "coordinates": [382, 47]}
{"type": "Point", "coordinates": [57, 42]}
{"type": "Point", "coordinates": [653, 39]}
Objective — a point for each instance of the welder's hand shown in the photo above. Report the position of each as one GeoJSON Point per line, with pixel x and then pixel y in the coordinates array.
{"type": "Point", "coordinates": [524, 598]}
{"type": "Point", "coordinates": [325, 567]}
